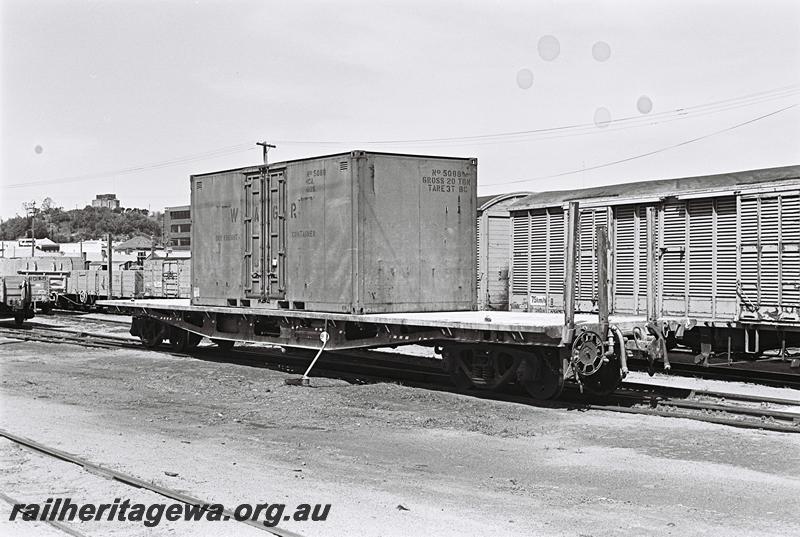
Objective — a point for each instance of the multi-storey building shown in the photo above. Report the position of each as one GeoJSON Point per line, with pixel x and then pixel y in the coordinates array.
{"type": "Point", "coordinates": [177, 227]}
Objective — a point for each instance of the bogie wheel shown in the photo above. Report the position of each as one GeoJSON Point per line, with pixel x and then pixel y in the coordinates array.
{"type": "Point", "coordinates": [151, 333]}
{"type": "Point", "coordinates": [457, 363]}
{"type": "Point", "coordinates": [604, 381]}
{"type": "Point", "coordinates": [19, 319]}
{"type": "Point", "coordinates": [181, 340]}
{"type": "Point", "coordinates": [542, 375]}
{"type": "Point", "coordinates": [224, 344]}
{"type": "Point", "coordinates": [193, 340]}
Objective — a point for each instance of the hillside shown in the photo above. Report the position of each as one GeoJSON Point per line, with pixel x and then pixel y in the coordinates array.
{"type": "Point", "coordinates": [84, 224]}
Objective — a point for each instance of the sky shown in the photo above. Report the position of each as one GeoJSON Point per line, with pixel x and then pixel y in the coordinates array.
{"type": "Point", "coordinates": [131, 96]}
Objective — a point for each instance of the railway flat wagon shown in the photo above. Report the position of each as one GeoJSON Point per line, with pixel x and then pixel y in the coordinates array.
{"type": "Point", "coordinates": [494, 249]}
{"type": "Point", "coordinates": [361, 250]}
{"type": "Point", "coordinates": [15, 298]}
{"type": "Point", "coordinates": [715, 260]}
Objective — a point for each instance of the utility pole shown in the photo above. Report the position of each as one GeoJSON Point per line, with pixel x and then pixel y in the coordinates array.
{"type": "Point", "coordinates": [30, 208]}
{"type": "Point", "coordinates": [265, 147]}
{"type": "Point", "coordinates": [110, 262]}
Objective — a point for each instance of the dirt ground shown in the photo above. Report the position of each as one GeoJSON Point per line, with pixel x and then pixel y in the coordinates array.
{"type": "Point", "coordinates": [391, 460]}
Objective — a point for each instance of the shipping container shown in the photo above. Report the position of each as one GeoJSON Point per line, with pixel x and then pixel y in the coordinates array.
{"type": "Point", "coordinates": [494, 249]}
{"type": "Point", "coordinates": [356, 232]}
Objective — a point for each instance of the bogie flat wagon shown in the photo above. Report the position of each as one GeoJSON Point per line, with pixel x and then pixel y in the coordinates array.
{"type": "Point", "coordinates": [362, 250]}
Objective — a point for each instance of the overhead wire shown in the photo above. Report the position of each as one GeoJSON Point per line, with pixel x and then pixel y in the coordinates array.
{"type": "Point", "coordinates": [223, 151]}
{"type": "Point", "coordinates": [683, 112]}
{"type": "Point", "coordinates": [512, 137]}
{"type": "Point", "coordinates": [647, 154]}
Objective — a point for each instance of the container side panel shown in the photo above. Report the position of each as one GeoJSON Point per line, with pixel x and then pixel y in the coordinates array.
{"type": "Point", "coordinates": [319, 244]}
{"type": "Point", "coordinates": [217, 235]}
{"type": "Point", "coordinates": [417, 219]}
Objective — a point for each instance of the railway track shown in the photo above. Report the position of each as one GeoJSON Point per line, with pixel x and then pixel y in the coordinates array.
{"type": "Point", "coordinates": [782, 415]}
{"type": "Point", "coordinates": [129, 480]}
{"type": "Point", "coordinates": [726, 408]}
{"type": "Point", "coordinates": [757, 372]}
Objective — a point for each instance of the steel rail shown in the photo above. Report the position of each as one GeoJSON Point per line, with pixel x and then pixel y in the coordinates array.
{"type": "Point", "coordinates": [647, 399]}
{"type": "Point", "coordinates": [54, 523]}
{"type": "Point", "coordinates": [133, 481]}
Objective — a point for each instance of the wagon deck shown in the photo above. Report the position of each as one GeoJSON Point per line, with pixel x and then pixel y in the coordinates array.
{"type": "Point", "coordinates": [517, 327]}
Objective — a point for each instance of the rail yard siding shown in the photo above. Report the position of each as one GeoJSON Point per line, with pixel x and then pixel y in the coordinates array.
{"type": "Point", "coordinates": [357, 232]}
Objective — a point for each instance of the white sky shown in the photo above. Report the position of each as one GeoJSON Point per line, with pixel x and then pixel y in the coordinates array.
{"type": "Point", "coordinates": [102, 87]}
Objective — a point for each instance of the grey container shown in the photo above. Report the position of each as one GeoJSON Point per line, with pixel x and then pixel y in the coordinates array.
{"type": "Point", "coordinates": [356, 232]}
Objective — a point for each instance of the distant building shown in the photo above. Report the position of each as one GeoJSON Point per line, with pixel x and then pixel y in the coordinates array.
{"type": "Point", "coordinates": [139, 246]}
{"type": "Point", "coordinates": [134, 244]}
{"type": "Point", "coordinates": [106, 200]}
{"type": "Point", "coordinates": [22, 247]}
{"type": "Point", "coordinates": [177, 227]}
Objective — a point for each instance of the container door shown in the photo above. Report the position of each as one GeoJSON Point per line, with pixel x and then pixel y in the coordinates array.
{"type": "Point", "coordinates": [254, 224]}
{"type": "Point", "coordinates": [169, 279]}
{"type": "Point", "coordinates": [276, 229]}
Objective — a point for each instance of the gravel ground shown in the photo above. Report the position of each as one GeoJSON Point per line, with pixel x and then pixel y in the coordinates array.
{"type": "Point", "coordinates": [391, 460]}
